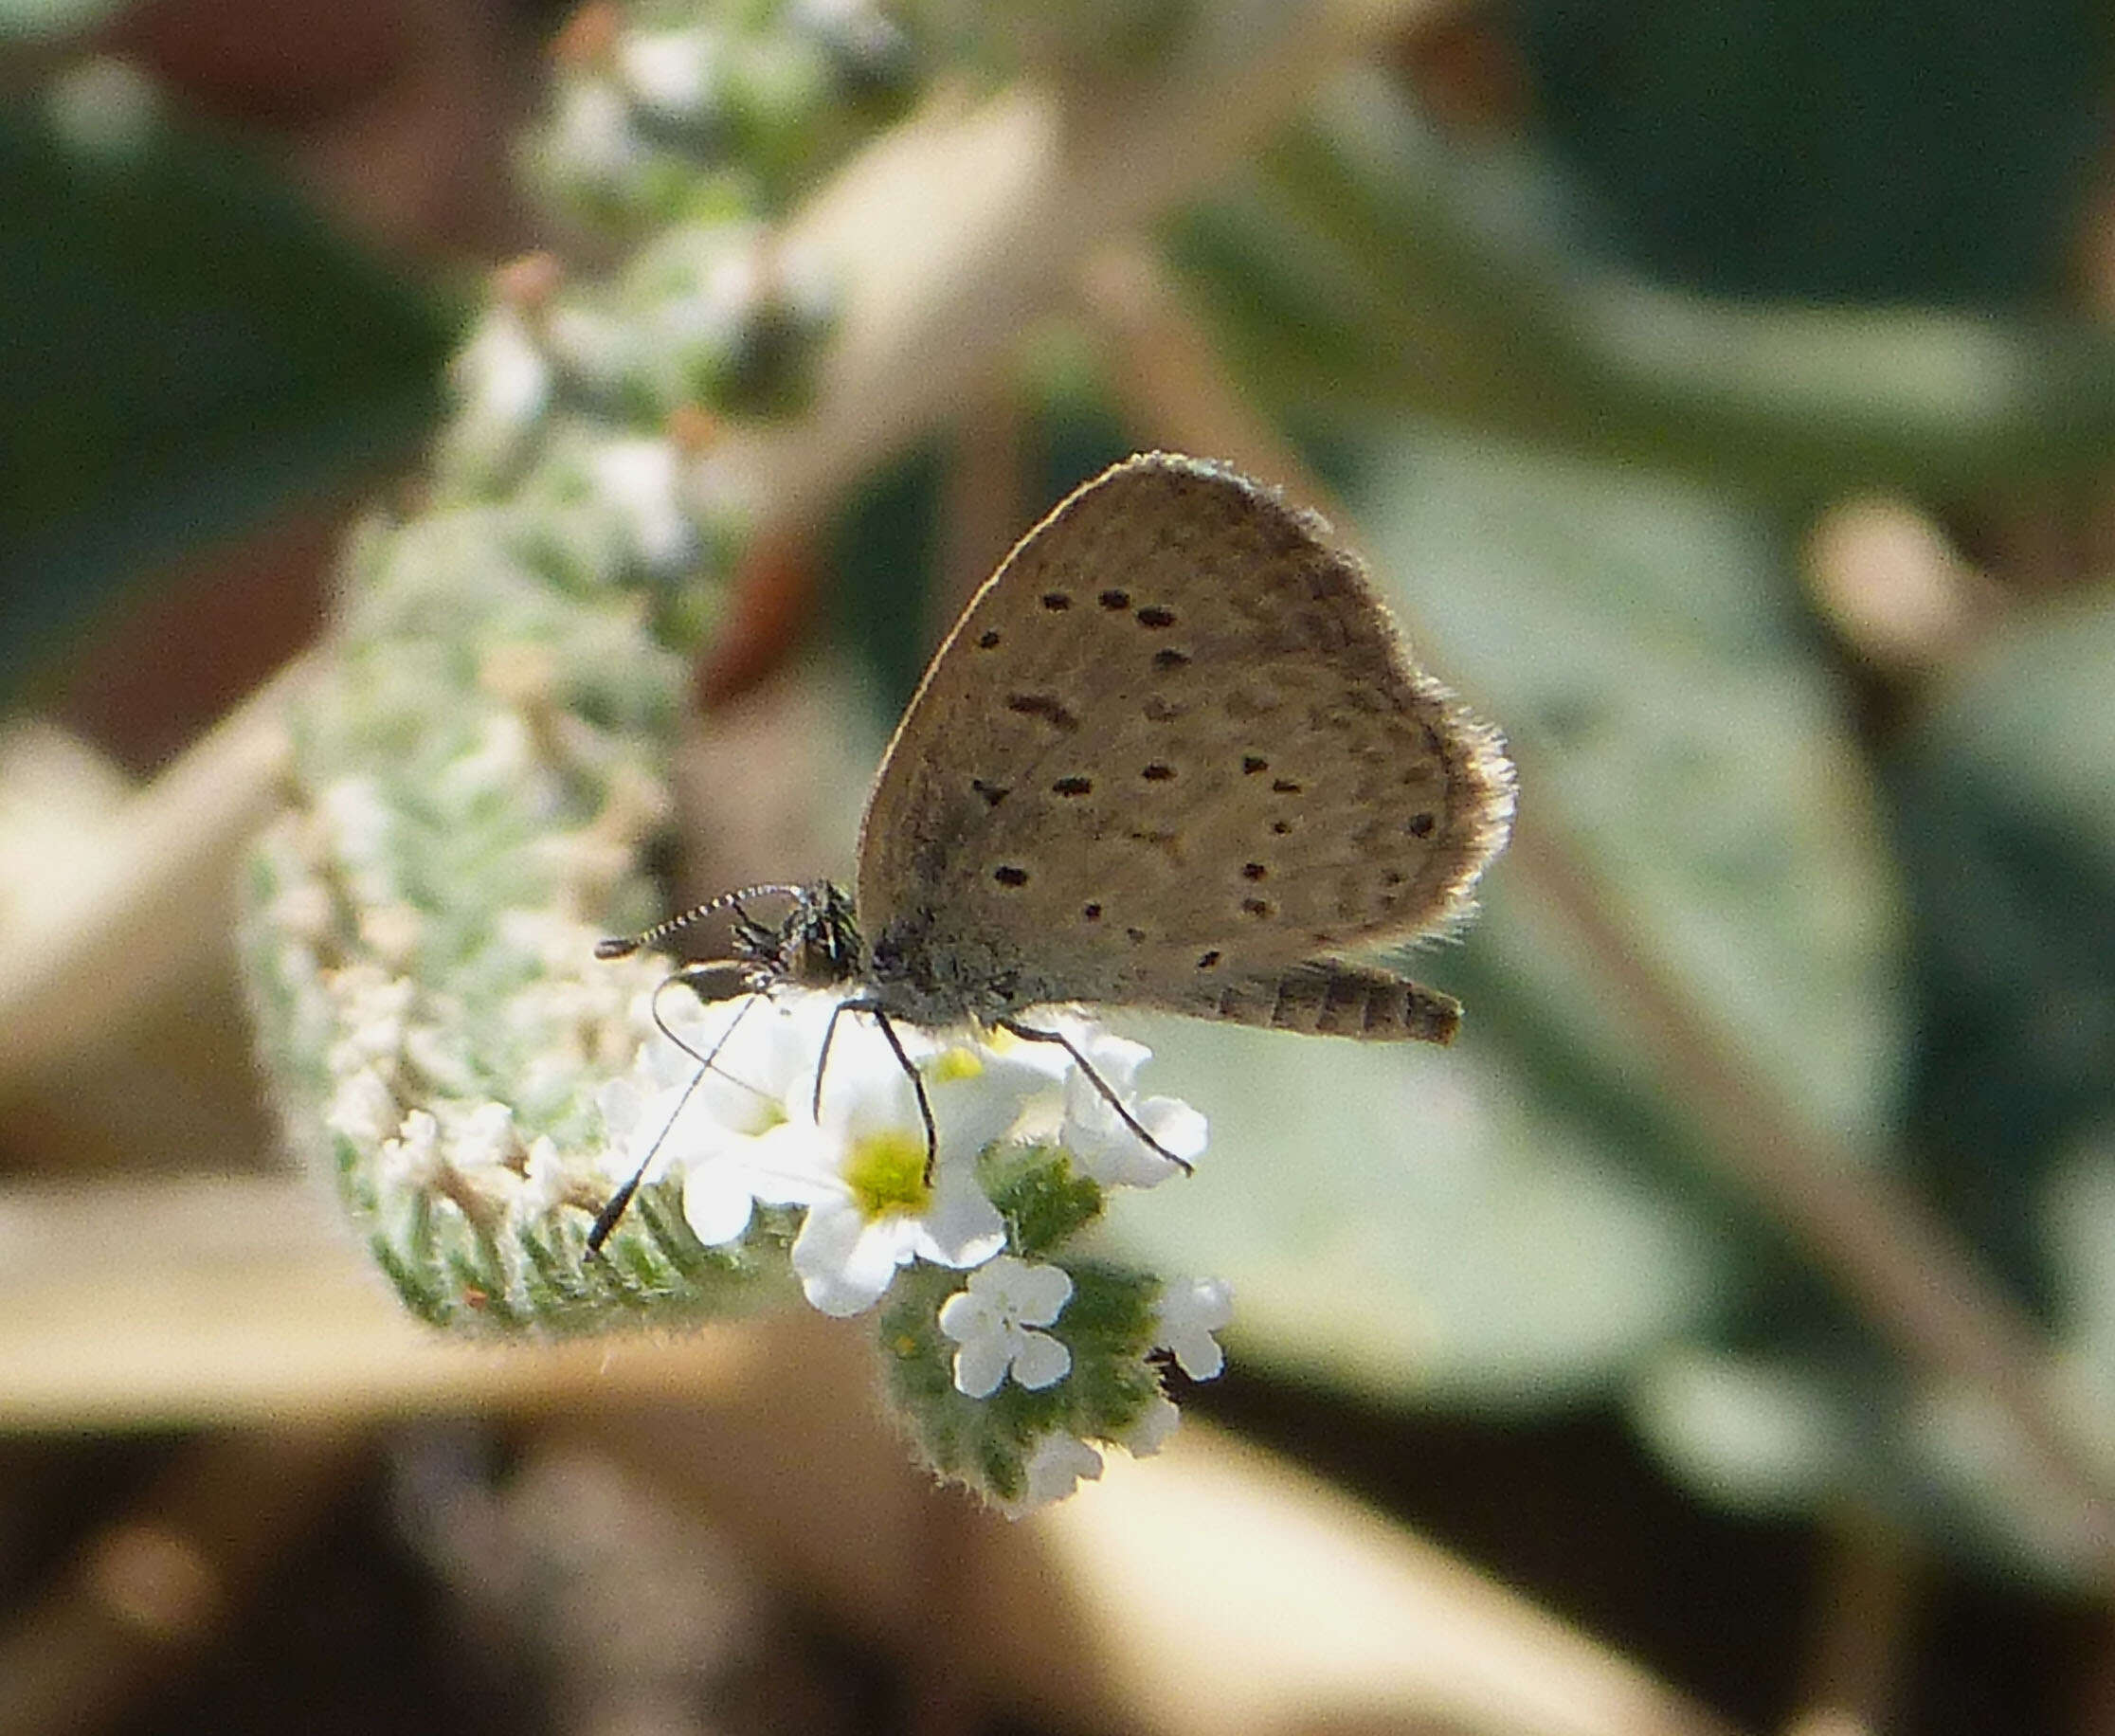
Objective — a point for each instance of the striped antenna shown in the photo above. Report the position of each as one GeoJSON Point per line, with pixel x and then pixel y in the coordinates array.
{"type": "Point", "coordinates": [624, 947]}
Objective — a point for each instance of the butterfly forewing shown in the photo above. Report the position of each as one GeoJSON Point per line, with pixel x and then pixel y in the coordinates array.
{"type": "Point", "coordinates": [1175, 741]}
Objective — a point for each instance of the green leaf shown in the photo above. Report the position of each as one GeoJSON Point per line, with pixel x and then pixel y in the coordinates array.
{"type": "Point", "coordinates": [1410, 1223]}
{"type": "Point", "coordinates": [1636, 639]}
{"type": "Point", "coordinates": [191, 348]}
{"type": "Point", "coordinates": [2006, 805]}
{"type": "Point", "coordinates": [1804, 148]}
{"type": "Point", "coordinates": [1361, 270]}
{"type": "Point", "coordinates": [32, 20]}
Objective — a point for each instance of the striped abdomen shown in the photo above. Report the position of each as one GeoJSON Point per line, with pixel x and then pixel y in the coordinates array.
{"type": "Point", "coordinates": [1329, 999]}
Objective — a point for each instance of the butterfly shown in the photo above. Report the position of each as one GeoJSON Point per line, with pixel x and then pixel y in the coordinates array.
{"type": "Point", "coordinates": [1174, 756]}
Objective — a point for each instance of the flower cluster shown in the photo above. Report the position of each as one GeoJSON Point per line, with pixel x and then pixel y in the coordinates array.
{"type": "Point", "coordinates": [766, 1104]}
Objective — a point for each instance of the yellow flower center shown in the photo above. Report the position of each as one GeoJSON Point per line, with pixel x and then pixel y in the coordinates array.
{"type": "Point", "coordinates": [956, 1063]}
{"type": "Point", "coordinates": [886, 1173]}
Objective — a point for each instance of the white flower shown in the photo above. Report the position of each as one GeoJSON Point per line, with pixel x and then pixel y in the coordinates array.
{"type": "Point", "coordinates": [374, 1011]}
{"type": "Point", "coordinates": [672, 1114]}
{"type": "Point", "coordinates": [500, 375]}
{"type": "Point", "coordinates": [1150, 1434]}
{"type": "Point", "coordinates": [748, 1132]}
{"type": "Point", "coordinates": [363, 1108]}
{"type": "Point", "coordinates": [639, 480]}
{"type": "Point", "coordinates": [411, 1161]}
{"type": "Point", "coordinates": [359, 828]}
{"type": "Point", "coordinates": [991, 1319]}
{"type": "Point", "coordinates": [753, 1129]}
{"type": "Point", "coordinates": [503, 762]}
{"type": "Point", "coordinates": [303, 909]}
{"type": "Point", "coordinates": [1190, 1312]}
{"type": "Point", "coordinates": [593, 129]}
{"type": "Point", "coordinates": [549, 1180]}
{"type": "Point", "coordinates": [669, 70]}
{"type": "Point", "coordinates": [1095, 1134]}
{"type": "Point", "coordinates": [861, 1167]}
{"type": "Point", "coordinates": [486, 1139]}
{"type": "Point", "coordinates": [733, 1149]}
{"type": "Point", "coordinates": [1058, 1466]}
{"type": "Point", "coordinates": [391, 931]}
{"type": "Point", "coordinates": [358, 818]}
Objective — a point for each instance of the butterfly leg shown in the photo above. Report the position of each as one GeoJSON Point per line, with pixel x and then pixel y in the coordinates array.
{"type": "Point", "coordinates": [614, 1207]}
{"type": "Point", "coordinates": [903, 1060]}
{"type": "Point", "coordinates": [917, 1086]}
{"type": "Point", "coordinates": [822, 1059]}
{"type": "Point", "coordinates": [1029, 1034]}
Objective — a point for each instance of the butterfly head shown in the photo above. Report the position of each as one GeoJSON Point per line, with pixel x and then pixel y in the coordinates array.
{"type": "Point", "coordinates": [815, 944]}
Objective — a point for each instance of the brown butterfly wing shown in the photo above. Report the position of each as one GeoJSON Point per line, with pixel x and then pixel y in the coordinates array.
{"type": "Point", "coordinates": [1175, 744]}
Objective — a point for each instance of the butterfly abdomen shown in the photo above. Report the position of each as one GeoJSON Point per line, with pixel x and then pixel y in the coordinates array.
{"type": "Point", "coordinates": [1327, 999]}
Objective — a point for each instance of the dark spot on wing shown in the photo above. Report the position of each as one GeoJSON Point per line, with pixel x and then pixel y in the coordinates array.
{"type": "Point", "coordinates": [1048, 707]}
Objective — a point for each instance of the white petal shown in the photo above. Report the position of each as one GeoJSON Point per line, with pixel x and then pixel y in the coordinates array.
{"type": "Point", "coordinates": [1047, 1061]}
{"type": "Point", "coordinates": [883, 1245]}
{"type": "Point", "coordinates": [1040, 1361]}
{"type": "Point", "coordinates": [364, 1108]}
{"type": "Point", "coordinates": [966, 1315]}
{"type": "Point", "coordinates": [974, 1112]}
{"type": "Point", "coordinates": [961, 1228]}
{"type": "Point", "coordinates": [1116, 1058]}
{"type": "Point", "coordinates": [1199, 1355]}
{"type": "Point", "coordinates": [1038, 1295]}
{"type": "Point", "coordinates": [1055, 1469]}
{"type": "Point", "coordinates": [1203, 1305]}
{"type": "Point", "coordinates": [1179, 1127]}
{"type": "Point", "coordinates": [622, 1103]}
{"type": "Point", "coordinates": [980, 1365]}
{"type": "Point", "coordinates": [1150, 1432]}
{"type": "Point", "coordinates": [865, 1090]}
{"type": "Point", "coordinates": [830, 1232]}
{"type": "Point", "coordinates": [793, 1165]}
{"type": "Point", "coordinates": [1190, 1312]}
{"type": "Point", "coordinates": [716, 1201]}
{"type": "Point", "coordinates": [1110, 1152]}
{"type": "Point", "coordinates": [844, 1262]}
